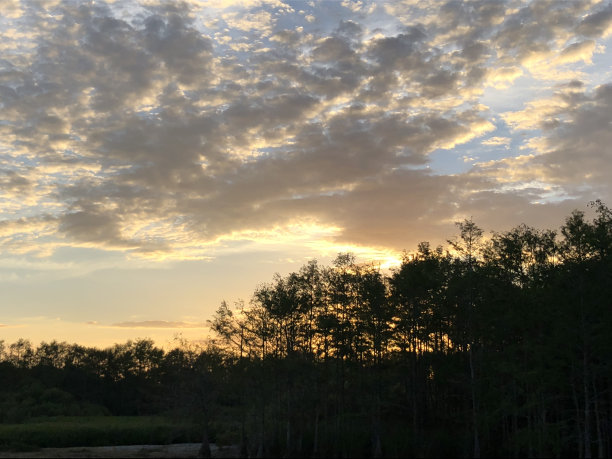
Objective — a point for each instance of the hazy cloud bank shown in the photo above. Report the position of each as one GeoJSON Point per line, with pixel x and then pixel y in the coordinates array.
{"type": "Point", "coordinates": [159, 324]}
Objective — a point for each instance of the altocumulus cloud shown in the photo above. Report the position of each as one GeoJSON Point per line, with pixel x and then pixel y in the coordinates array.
{"type": "Point", "coordinates": [163, 129]}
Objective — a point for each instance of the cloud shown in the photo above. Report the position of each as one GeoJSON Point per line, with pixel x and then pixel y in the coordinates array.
{"type": "Point", "coordinates": [571, 158]}
{"type": "Point", "coordinates": [249, 21]}
{"type": "Point", "coordinates": [576, 149]}
{"type": "Point", "coordinates": [581, 51]}
{"type": "Point", "coordinates": [497, 141]}
{"type": "Point", "coordinates": [159, 324]}
{"type": "Point", "coordinates": [13, 182]}
{"type": "Point", "coordinates": [91, 226]}
{"type": "Point", "coordinates": [12, 9]}
{"type": "Point", "coordinates": [503, 77]}
{"type": "Point", "coordinates": [163, 130]}
{"type": "Point", "coordinates": [536, 114]}
{"type": "Point", "coordinates": [598, 23]}
{"type": "Point", "coordinates": [184, 51]}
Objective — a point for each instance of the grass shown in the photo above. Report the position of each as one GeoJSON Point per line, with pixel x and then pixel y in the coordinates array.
{"type": "Point", "coordinates": [63, 431]}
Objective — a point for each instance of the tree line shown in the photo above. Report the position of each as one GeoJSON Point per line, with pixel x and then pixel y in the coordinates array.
{"type": "Point", "coordinates": [486, 347]}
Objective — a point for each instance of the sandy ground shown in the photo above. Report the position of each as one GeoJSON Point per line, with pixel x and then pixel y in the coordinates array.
{"type": "Point", "coordinates": [176, 450]}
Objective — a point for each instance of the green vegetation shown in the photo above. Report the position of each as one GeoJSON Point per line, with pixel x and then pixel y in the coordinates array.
{"type": "Point", "coordinates": [497, 347]}
{"type": "Point", "coordinates": [55, 432]}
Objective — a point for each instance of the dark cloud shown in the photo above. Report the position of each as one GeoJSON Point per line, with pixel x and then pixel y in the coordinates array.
{"type": "Point", "coordinates": [185, 52]}
{"type": "Point", "coordinates": [402, 51]}
{"type": "Point", "coordinates": [13, 182]}
{"type": "Point", "coordinates": [91, 226]}
{"type": "Point", "coordinates": [578, 151]}
{"type": "Point", "coordinates": [597, 23]}
{"type": "Point", "coordinates": [535, 26]}
{"type": "Point", "coordinates": [350, 30]}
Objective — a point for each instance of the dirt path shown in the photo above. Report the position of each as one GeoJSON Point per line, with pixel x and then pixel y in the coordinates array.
{"type": "Point", "coordinates": [164, 451]}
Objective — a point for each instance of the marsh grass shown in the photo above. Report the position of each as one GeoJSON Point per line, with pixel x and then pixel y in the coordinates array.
{"type": "Point", "coordinates": [64, 431]}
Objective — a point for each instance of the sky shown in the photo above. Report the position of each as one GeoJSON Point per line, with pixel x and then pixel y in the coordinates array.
{"type": "Point", "coordinates": [158, 157]}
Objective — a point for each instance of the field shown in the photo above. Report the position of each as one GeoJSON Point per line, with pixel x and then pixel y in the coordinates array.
{"type": "Point", "coordinates": [131, 451]}
{"type": "Point", "coordinates": [95, 431]}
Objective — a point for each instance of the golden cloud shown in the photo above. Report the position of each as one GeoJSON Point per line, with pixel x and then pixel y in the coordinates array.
{"type": "Point", "coordinates": [159, 324]}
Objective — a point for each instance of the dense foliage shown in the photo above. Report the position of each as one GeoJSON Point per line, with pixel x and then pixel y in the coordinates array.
{"type": "Point", "coordinates": [492, 347]}
{"type": "Point", "coordinates": [87, 431]}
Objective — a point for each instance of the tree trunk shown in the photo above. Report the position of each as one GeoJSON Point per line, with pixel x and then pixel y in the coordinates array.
{"type": "Point", "coordinates": [288, 440]}
{"type": "Point", "coordinates": [585, 386]}
{"type": "Point", "coordinates": [315, 446]}
{"type": "Point", "coordinates": [205, 448]}
{"type": "Point", "coordinates": [262, 426]}
{"type": "Point", "coordinates": [474, 406]}
{"type": "Point", "coordinates": [587, 410]}
{"type": "Point", "coordinates": [600, 441]}
{"type": "Point", "coordinates": [244, 447]}
{"type": "Point", "coordinates": [580, 443]}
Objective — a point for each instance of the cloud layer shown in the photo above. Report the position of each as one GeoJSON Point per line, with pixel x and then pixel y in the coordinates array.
{"type": "Point", "coordinates": [164, 130]}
